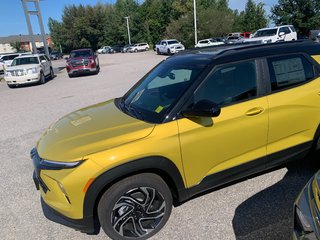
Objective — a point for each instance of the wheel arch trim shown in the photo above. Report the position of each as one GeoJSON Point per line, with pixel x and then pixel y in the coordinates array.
{"type": "Point", "coordinates": [156, 164]}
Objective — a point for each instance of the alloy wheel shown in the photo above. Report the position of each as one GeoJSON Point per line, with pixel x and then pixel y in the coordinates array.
{"type": "Point", "coordinates": [138, 212]}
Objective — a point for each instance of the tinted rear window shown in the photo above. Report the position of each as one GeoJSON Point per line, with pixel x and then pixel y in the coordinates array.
{"type": "Point", "coordinates": [288, 71]}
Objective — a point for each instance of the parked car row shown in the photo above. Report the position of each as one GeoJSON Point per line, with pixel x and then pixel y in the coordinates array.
{"type": "Point", "coordinates": [138, 47]}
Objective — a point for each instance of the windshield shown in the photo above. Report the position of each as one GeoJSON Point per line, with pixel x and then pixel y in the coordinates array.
{"type": "Point", "coordinates": [23, 61]}
{"type": "Point", "coordinates": [265, 33]}
{"type": "Point", "coordinates": [173, 42]}
{"type": "Point", "coordinates": [155, 95]}
{"type": "Point", "coordinates": [76, 54]}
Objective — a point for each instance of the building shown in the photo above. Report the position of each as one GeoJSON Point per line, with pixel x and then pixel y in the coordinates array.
{"type": "Point", "coordinates": [23, 42]}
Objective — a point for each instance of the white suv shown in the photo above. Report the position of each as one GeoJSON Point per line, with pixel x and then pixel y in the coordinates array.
{"type": "Point", "coordinates": [6, 60]}
{"type": "Point", "coordinates": [274, 34]}
{"type": "Point", "coordinates": [139, 47]}
{"type": "Point", "coordinates": [28, 69]}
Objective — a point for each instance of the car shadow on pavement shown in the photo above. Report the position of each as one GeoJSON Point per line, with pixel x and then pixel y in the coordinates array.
{"type": "Point", "coordinates": [269, 213]}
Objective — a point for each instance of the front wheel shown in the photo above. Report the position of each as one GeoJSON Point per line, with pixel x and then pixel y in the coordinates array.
{"type": "Point", "coordinates": [42, 78]}
{"type": "Point", "coordinates": [136, 207]}
{"type": "Point", "coordinates": [51, 74]}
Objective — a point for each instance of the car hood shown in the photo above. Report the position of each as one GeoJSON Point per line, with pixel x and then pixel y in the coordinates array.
{"type": "Point", "coordinates": [255, 39]}
{"type": "Point", "coordinates": [89, 130]}
{"type": "Point", "coordinates": [19, 67]}
{"type": "Point", "coordinates": [79, 59]}
{"type": "Point", "coordinates": [177, 45]}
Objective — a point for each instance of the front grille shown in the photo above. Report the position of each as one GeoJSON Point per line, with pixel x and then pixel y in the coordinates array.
{"type": "Point", "coordinates": [80, 63]}
{"type": "Point", "coordinates": [18, 73]}
{"type": "Point", "coordinates": [36, 162]}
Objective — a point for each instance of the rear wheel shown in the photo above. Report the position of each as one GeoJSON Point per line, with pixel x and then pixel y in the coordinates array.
{"type": "Point", "coordinates": [136, 207]}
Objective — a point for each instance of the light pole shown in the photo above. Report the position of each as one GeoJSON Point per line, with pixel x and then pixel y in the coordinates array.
{"type": "Point", "coordinates": [37, 13]}
{"type": "Point", "coordinates": [195, 22]}
{"type": "Point", "coordinates": [128, 29]}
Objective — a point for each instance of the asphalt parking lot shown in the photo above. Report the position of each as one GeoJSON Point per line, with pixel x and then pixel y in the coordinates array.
{"type": "Point", "coordinates": [257, 208]}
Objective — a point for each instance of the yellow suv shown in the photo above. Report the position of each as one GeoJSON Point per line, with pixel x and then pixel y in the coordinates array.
{"type": "Point", "coordinates": [198, 120]}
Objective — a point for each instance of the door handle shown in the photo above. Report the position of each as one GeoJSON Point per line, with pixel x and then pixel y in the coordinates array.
{"type": "Point", "coordinates": [254, 111]}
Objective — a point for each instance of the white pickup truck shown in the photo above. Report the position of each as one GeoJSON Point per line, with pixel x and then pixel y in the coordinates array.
{"type": "Point", "coordinates": [170, 46]}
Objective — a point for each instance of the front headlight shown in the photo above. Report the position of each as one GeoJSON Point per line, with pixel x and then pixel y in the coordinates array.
{"type": "Point", "coordinates": [304, 223]}
{"type": "Point", "coordinates": [267, 41]}
{"type": "Point", "coordinates": [32, 70]}
{"type": "Point", "coordinates": [53, 165]}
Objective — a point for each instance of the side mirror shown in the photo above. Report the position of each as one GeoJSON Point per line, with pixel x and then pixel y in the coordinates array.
{"type": "Point", "coordinates": [203, 108]}
{"type": "Point", "coordinates": [281, 34]}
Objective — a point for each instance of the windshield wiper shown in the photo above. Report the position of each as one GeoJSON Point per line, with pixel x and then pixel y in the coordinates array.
{"type": "Point", "coordinates": [131, 110]}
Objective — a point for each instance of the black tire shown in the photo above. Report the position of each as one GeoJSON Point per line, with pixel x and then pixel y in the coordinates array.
{"type": "Point", "coordinates": [136, 50]}
{"type": "Point", "coordinates": [158, 51]}
{"type": "Point", "coordinates": [42, 79]}
{"type": "Point", "coordinates": [125, 209]}
{"type": "Point", "coordinates": [51, 73]}
{"type": "Point", "coordinates": [70, 75]}
{"type": "Point", "coordinates": [11, 86]}
{"type": "Point", "coordinates": [147, 49]}
{"type": "Point", "coordinates": [169, 52]}
{"type": "Point", "coordinates": [97, 69]}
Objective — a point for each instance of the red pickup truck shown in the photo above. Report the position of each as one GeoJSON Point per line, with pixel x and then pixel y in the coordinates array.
{"type": "Point", "coordinates": [82, 61]}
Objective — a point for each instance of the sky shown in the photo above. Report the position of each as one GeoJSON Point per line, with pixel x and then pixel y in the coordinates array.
{"type": "Point", "coordinates": [13, 21]}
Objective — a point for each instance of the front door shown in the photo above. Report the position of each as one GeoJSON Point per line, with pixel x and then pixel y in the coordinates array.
{"type": "Point", "coordinates": [237, 136]}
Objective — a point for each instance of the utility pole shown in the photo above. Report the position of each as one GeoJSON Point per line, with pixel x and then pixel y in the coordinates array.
{"type": "Point", "coordinates": [128, 29]}
{"type": "Point", "coordinates": [195, 22]}
{"type": "Point", "coordinates": [36, 12]}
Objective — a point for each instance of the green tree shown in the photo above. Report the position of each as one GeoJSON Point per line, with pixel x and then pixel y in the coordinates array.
{"type": "Point", "coordinates": [252, 18]}
{"type": "Point", "coordinates": [303, 14]}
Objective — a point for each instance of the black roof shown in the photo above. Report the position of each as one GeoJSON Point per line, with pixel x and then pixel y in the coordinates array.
{"type": "Point", "coordinates": [226, 53]}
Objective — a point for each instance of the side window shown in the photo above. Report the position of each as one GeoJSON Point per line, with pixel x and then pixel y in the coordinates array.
{"type": "Point", "coordinates": [11, 57]}
{"type": "Point", "coordinates": [46, 58]}
{"type": "Point", "coordinates": [286, 30]}
{"type": "Point", "coordinates": [229, 84]}
{"type": "Point", "coordinates": [5, 58]}
{"type": "Point", "coordinates": [289, 71]}
{"type": "Point", "coordinates": [42, 58]}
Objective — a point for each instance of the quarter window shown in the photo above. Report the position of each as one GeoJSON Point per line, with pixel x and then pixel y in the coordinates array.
{"type": "Point", "coordinates": [286, 30]}
{"type": "Point", "coordinates": [230, 84]}
{"type": "Point", "coordinates": [289, 71]}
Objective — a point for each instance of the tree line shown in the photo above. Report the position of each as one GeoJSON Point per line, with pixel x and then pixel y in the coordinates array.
{"type": "Point", "coordinates": [152, 20]}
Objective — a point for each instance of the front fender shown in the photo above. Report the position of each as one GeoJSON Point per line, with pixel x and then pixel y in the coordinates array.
{"type": "Point", "coordinates": [156, 164]}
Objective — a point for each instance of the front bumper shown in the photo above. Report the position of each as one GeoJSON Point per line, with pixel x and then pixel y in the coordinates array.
{"type": "Point", "coordinates": [58, 206]}
{"type": "Point", "coordinates": [85, 225]}
{"type": "Point", "coordinates": [81, 70]}
{"type": "Point", "coordinates": [306, 206]}
{"type": "Point", "coordinates": [21, 80]}
{"type": "Point", "coordinates": [176, 50]}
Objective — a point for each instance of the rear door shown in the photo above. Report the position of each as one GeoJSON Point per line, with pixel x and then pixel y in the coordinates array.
{"type": "Point", "coordinates": [294, 105]}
